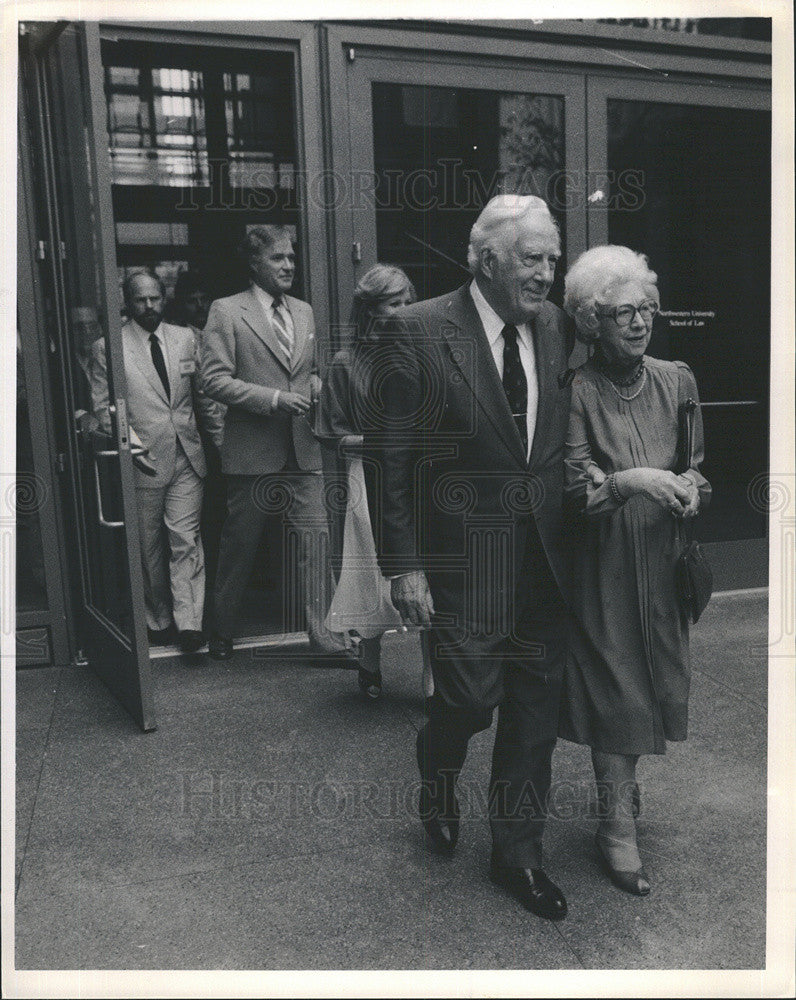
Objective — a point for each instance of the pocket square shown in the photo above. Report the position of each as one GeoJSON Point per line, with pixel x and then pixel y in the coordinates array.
{"type": "Point", "coordinates": [565, 378]}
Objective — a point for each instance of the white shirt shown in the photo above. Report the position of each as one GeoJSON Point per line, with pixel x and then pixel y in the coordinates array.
{"type": "Point", "coordinates": [162, 340]}
{"type": "Point", "coordinates": [266, 300]}
{"type": "Point", "coordinates": [493, 327]}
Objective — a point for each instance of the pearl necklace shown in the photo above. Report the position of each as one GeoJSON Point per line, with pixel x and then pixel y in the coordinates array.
{"type": "Point", "coordinates": [628, 399]}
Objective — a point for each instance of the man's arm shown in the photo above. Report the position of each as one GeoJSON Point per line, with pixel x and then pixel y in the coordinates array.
{"type": "Point", "coordinates": [392, 451]}
{"type": "Point", "coordinates": [219, 367]}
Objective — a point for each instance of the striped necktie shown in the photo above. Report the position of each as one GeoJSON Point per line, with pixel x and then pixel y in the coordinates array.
{"type": "Point", "coordinates": [280, 327]}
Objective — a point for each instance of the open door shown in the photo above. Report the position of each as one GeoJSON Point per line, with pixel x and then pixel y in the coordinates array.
{"type": "Point", "coordinates": [79, 297]}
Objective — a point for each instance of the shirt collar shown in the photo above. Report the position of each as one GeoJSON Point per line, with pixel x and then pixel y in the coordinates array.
{"type": "Point", "coordinates": [492, 323]}
{"type": "Point", "coordinates": [145, 334]}
{"type": "Point", "coordinates": [265, 299]}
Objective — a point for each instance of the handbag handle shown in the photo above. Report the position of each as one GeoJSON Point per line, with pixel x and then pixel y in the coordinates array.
{"type": "Point", "coordinates": [687, 411]}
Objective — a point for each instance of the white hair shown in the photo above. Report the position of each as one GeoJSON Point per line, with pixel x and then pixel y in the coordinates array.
{"type": "Point", "coordinates": [498, 218]}
{"type": "Point", "coordinates": [594, 275]}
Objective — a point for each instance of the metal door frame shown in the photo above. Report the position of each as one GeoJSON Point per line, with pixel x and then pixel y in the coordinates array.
{"type": "Point", "coordinates": [132, 688]}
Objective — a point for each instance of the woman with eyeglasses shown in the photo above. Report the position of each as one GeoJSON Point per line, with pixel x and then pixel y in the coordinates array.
{"type": "Point", "coordinates": [627, 675]}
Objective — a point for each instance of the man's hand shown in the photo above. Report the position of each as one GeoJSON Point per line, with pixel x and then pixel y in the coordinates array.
{"type": "Point", "coordinates": [412, 598]}
{"type": "Point", "coordinates": [293, 403]}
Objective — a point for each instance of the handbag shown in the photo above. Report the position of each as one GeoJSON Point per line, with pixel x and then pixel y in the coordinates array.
{"type": "Point", "coordinates": [693, 575]}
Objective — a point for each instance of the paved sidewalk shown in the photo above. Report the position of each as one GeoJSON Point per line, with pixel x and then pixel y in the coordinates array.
{"type": "Point", "coordinates": [264, 826]}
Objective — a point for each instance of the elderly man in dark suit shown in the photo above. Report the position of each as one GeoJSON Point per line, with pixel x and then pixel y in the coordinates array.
{"type": "Point", "coordinates": [465, 472]}
{"type": "Point", "coordinates": [259, 360]}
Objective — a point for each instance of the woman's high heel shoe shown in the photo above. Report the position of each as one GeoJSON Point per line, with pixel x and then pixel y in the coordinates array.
{"type": "Point", "coordinates": [370, 683]}
{"type": "Point", "coordinates": [635, 883]}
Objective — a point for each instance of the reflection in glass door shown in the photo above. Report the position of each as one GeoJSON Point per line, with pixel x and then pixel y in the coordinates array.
{"type": "Point", "coordinates": [699, 175]}
{"type": "Point", "coordinates": [82, 321]}
{"type": "Point", "coordinates": [431, 144]}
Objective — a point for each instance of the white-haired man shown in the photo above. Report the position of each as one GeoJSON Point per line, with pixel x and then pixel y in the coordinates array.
{"type": "Point", "coordinates": [465, 479]}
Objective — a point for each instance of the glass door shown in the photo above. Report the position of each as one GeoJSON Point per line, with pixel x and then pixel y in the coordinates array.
{"type": "Point", "coordinates": [682, 173]}
{"type": "Point", "coordinates": [82, 319]}
{"type": "Point", "coordinates": [430, 144]}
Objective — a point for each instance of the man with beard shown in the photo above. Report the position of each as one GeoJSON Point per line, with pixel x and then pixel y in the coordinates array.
{"type": "Point", "coordinates": [162, 388]}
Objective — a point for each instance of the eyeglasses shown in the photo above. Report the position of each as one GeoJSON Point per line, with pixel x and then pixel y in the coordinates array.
{"type": "Point", "coordinates": [624, 315]}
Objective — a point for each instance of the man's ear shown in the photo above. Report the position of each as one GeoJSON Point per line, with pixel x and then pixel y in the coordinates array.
{"type": "Point", "coordinates": [487, 261]}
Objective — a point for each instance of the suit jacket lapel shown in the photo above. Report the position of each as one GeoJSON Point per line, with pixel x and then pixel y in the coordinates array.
{"type": "Point", "coordinates": [255, 318]}
{"type": "Point", "coordinates": [142, 358]}
{"type": "Point", "coordinates": [483, 379]}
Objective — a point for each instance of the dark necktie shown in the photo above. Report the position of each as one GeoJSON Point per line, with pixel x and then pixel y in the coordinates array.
{"type": "Point", "coordinates": [515, 384]}
{"type": "Point", "coordinates": [160, 364]}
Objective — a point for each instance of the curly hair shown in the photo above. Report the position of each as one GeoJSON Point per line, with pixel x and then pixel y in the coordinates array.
{"type": "Point", "coordinates": [593, 276]}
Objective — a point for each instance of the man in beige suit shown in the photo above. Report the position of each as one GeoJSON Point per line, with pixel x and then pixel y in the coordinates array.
{"type": "Point", "coordinates": [259, 361]}
{"type": "Point", "coordinates": [162, 376]}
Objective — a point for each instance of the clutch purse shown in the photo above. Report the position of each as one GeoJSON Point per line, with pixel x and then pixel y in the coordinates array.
{"type": "Point", "coordinates": [693, 575]}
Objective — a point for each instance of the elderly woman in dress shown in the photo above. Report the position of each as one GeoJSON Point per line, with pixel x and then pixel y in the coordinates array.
{"type": "Point", "coordinates": [627, 676]}
{"type": "Point", "coordinates": [361, 601]}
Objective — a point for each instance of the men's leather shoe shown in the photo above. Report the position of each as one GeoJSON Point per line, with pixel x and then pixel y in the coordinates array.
{"type": "Point", "coordinates": [160, 636]}
{"type": "Point", "coordinates": [532, 888]}
{"type": "Point", "coordinates": [439, 813]}
{"type": "Point", "coordinates": [190, 640]}
{"type": "Point", "coordinates": [220, 647]}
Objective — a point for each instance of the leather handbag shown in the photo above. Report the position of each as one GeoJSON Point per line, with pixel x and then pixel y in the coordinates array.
{"type": "Point", "coordinates": [693, 575]}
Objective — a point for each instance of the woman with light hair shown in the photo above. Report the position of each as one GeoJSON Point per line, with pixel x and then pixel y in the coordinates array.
{"type": "Point", "coordinates": [626, 680]}
{"type": "Point", "coordinates": [361, 601]}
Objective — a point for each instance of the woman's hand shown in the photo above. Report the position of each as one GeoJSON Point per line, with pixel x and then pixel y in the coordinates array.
{"type": "Point", "coordinates": [671, 492]}
{"type": "Point", "coordinates": [692, 507]}
{"type": "Point", "coordinates": [596, 474]}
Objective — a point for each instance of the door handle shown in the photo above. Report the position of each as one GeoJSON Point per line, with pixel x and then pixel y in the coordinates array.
{"type": "Point", "coordinates": [136, 449]}
{"type": "Point", "coordinates": [105, 453]}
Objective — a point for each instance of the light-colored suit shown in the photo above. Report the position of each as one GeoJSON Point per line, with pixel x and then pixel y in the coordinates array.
{"type": "Point", "coordinates": [242, 367]}
{"type": "Point", "coordinates": [271, 459]}
{"type": "Point", "coordinates": [167, 428]}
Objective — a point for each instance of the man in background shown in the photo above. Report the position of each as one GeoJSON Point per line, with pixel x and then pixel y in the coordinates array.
{"type": "Point", "coordinates": [260, 362]}
{"type": "Point", "coordinates": [162, 390]}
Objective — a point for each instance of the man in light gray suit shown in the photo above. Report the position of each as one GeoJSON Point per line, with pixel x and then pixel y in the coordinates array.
{"type": "Point", "coordinates": [161, 369]}
{"type": "Point", "coordinates": [259, 360]}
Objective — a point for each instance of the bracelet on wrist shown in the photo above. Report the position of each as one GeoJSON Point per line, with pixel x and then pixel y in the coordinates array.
{"type": "Point", "coordinates": [614, 489]}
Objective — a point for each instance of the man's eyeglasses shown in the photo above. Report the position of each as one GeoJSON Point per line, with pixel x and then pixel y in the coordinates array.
{"type": "Point", "coordinates": [623, 315]}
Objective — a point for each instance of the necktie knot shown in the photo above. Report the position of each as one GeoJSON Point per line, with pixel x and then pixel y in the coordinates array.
{"type": "Point", "coordinates": [510, 334]}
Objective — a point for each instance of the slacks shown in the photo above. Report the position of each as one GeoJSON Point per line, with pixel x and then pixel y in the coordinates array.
{"type": "Point", "coordinates": [173, 584]}
{"type": "Point", "coordinates": [521, 674]}
{"type": "Point", "coordinates": [298, 496]}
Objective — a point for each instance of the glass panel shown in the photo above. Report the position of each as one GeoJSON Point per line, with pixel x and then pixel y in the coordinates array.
{"type": "Point", "coordinates": [700, 209]}
{"type": "Point", "coordinates": [210, 134]}
{"type": "Point", "coordinates": [261, 151]}
{"type": "Point", "coordinates": [29, 494]}
{"type": "Point", "coordinates": [440, 153]}
{"type": "Point", "coordinates": [103, 548]}
{"type": "Point", "coordinates": [156, 126]}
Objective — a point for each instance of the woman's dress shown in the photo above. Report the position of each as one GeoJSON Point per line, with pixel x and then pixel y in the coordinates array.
{"type": "Point", "coordinates": [627, 675]}
{"type": "Point", "coordinates": [361, 600]}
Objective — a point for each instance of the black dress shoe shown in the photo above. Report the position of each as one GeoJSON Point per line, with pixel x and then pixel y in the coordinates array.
{"type": "Point", "coordinates": [439, 813]}
{"type": "Point", "coordinates": [220, 647]}
{"type": "Point", "coordinates": [190, 639]}
{"type": "Point", "coordinates": [160, 636]}
{"type": "Point", "coordinates": [370, 682]}
{"type": "Point", "coordinates": [532, 888]}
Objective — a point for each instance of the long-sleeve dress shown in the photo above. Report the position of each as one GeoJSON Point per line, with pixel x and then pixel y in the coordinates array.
{"type": "Point", "coordinates": [361, 600]}
{"type": "Point", "coordinates": [627, 675]}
